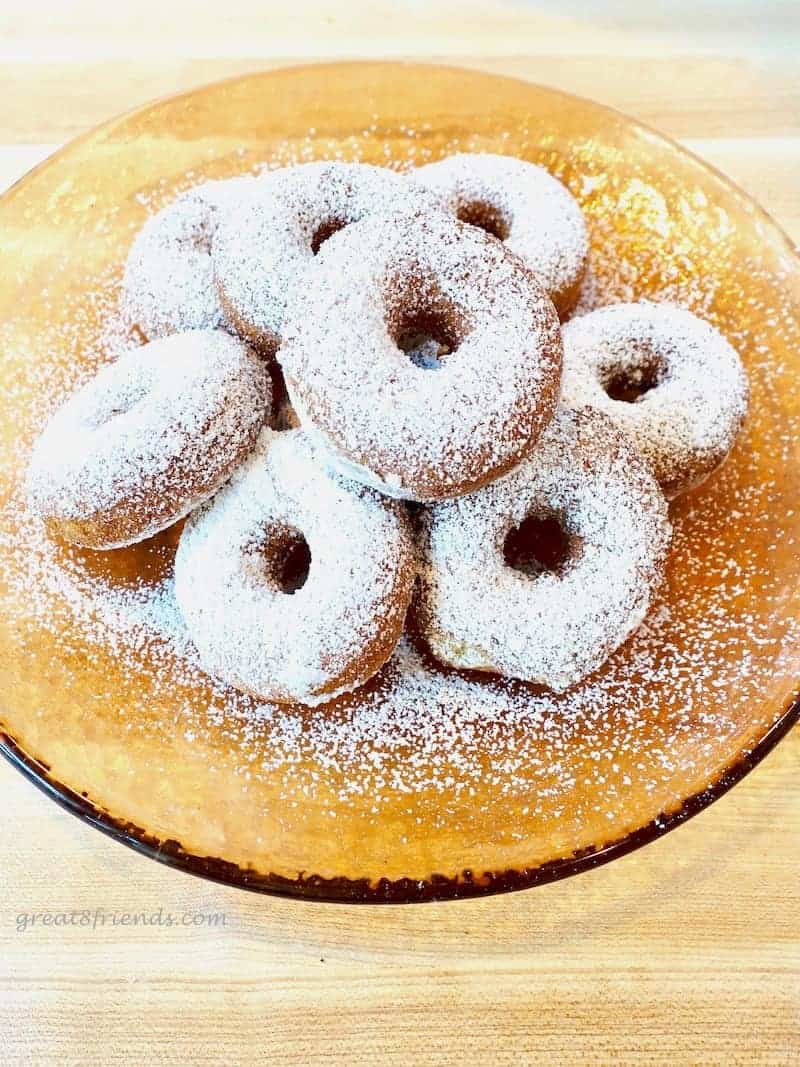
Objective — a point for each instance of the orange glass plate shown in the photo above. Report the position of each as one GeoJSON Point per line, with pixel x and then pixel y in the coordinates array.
{"type": "Point", "coordinates": [427, 783]}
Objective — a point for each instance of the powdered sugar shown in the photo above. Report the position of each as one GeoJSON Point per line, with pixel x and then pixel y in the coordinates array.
{"type": "Point", "coordinates": [524, 205]}
{"type": "Point", "coordinates": [687, 421]}
{"type": "Point", "coordinates": [168, 285]}
{"type": "Point", "coordinates": [674, 698]}
{"type": "Point", "coordinates": [422, 433]}
{"type": "Point", "coordinates": [711, 665]}
{"type": "Point", "coordinates": [556, 627]}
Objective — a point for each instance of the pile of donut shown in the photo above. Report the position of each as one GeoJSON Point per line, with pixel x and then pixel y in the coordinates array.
{"type": "Point", "coordinates": [367, 394]}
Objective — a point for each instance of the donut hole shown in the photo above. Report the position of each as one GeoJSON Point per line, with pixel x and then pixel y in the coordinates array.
{"type": "Point", "coordinates": [327, 229]}
{"type": "Point", "coordinates": [486, 217]}
{"type": "Point", "coordinates": [427, 337]}
{"type": "Point", "coordinates": [117, 405]}
{"type": "Point", "coordinates": [201, 239]}
{"type": "Point", "coordinates": [541, 544]}
{"type": "Point", "coordinates": [288, 559]}
{"type": "Point", "coordinates": [629, 384]}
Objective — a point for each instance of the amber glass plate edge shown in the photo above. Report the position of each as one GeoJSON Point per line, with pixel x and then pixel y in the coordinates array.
{"type": "Point", "coordinates": [401, 891]}
{"type": "Point", "coordinates": [643, 127]}
{"type": "Point", "coordinates": [438, 887]}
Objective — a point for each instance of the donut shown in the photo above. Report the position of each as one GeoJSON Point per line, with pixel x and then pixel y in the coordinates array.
{"type": "Point", "coordinates": [148, 439]}
{"type": "Point", "coordinates": [293, 584]}
{"type": "Point", "coordinates": [667, 378]}
{"type": "Point", "coordinates": [168, 282]}
{"type": "Point", "coordinates": [544, 573]}
{"type": "Point", "coordinates": [423, 353]}
{"type": "Point", "coordinates": [522, 205]}
{"type": "Point", "coordinates": [262, 246]}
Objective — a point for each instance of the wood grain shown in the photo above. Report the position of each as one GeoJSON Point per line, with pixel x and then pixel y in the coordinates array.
{"type": "Point", "coordinates": [686, 952]}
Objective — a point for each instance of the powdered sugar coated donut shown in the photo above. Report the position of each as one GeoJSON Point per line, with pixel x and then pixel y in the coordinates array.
{"type": "Point", "coordinates": [149, 438]}
{"type": "Point", "coordinates": [523, 205]}
{"type": "Point", "coordinates": [294, 585]}
{"type": "Point", "coordinates": [667, 378]}
{"type": "Point", "coordinates": [262, 246]}
{"type": "Point", "coordinates": [424, 353]}
{"type": "Point", "coordinates": [492, 602]}
{"type": "Point", "coordinates": [168, 284]}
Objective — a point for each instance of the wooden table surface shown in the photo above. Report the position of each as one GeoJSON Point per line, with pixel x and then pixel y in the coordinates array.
{"type": "Point", "coordinates": [685, 952]}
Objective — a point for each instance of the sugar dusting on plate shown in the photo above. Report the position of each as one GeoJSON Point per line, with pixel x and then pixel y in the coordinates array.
{"type": "Point", "coordinates": [723, 628]}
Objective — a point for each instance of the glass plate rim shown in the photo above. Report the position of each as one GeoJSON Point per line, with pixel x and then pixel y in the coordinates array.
{"type": "Point", "coordinates": [404, 891]}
